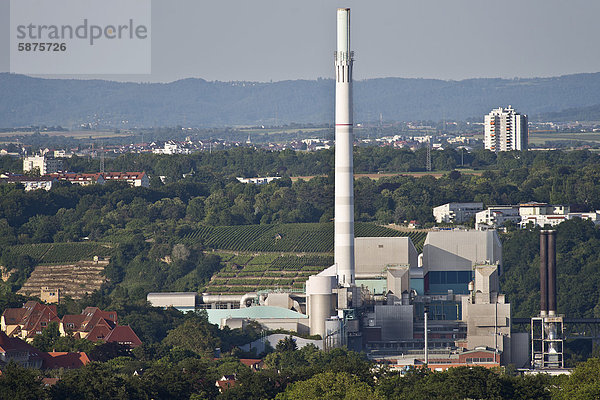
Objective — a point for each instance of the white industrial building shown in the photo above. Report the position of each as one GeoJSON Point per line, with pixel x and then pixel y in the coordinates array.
{"type": "Point", "coordinates": [505, 130]}
{"type": "Point", "coordinates": [456, 212]}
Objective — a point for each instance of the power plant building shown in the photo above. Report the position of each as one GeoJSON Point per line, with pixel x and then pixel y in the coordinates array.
{"type": "Point", "coordinates": [505, 130]}
{"type": "Point", "coordinates": [381, 295]}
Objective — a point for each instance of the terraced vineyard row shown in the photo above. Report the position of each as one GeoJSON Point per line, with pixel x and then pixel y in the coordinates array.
{"type": "Point", "coordinates": [301, 237]}
{"type": "Point", "coordinates": [56, 253]}
{"type": "Point", "coordinates": [248, 272]}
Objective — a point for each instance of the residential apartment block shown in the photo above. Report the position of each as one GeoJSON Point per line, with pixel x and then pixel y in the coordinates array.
{"type": "Point", "coordinates": [43, 164]}
{"type": "Point", "coordinates": [505, 130]}
{"type": "Point", "coordinates": [540, 214]}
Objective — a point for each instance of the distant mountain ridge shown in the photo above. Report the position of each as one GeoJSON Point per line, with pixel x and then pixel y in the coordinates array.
{"type": "Point", "coordinates": [195, 102]}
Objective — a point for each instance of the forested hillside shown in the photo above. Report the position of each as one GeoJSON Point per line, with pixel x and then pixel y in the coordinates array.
{"type": "Point", "coordinates": [150, 232]}
{"type": "Point", "coordinates": [196, 102]}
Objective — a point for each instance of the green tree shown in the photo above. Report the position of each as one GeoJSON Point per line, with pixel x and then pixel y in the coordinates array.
{"type": "Point", "coordinates": [583, 383]}
{"type": "Point", "coordinates": [196, 334]}
{"type": "Point", "coordinates": [20, 383]}
{"type": "Point", "coordinates": [330, 386]}
{"type": "Point", "coordinates": [288, 343]}
{"type": "Point", "coordinates": [47, 339]}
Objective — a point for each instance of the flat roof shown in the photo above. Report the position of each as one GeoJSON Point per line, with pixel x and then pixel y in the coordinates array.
{"type": "Point", "coordinates": [256, 312]}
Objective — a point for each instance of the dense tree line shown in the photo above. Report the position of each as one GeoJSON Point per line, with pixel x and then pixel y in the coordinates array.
{"type": "Point", "coordinates": [249, 162]}
{"type": "Point", "coordinates": [211, 196]}
{"type": "Point", "coordinates": [336, 374]}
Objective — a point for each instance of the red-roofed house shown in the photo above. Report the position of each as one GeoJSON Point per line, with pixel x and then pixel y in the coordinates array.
{"type": "Point", "coordinates": [19, 351]}
{"type": "Point", "coordinates": [123, 334]}
{"type": "Point", "coordinates": [226, 382]}
{"type": "Point", "coordinates": [92, 324]}
{"type": "Point", "coordinates": [71, 323]}
{"type": "Point", "coordinates": [252, 363]}
{"type": "Point", "coordinates": [50, 381]}
{"type": "Point", "coordinates": [28, 321]}
{"type": "Point", "coordinates": [133, 178]}
{"type": "Point", "coordinates": [53, 360]}
{"type": "Point", "coordinates": [78, 179]}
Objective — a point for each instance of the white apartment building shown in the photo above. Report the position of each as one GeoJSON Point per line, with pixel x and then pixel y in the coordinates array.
{"type": "Point", "coordinates": [45, 165]}
{"type": "Point", "coordinates": [496, 216]}
{"type": "Point", "coordinates": [29, 182]}
{"type": "Point", "coordinates": [456, 212]}
{"type": "Point", "coordinates": [505, 130]}
{"type": "Point", "coordinates": [538, 214]}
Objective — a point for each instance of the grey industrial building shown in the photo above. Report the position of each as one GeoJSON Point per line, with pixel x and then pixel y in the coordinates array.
{"type": "Point", "coordinates": [455, 279]}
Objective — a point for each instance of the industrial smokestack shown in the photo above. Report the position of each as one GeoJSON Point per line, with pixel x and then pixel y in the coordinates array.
{"type": "Point", "coordinates": [551, 272]}
{"type": "Point", "coordinates": [543, 273]}
{"type": "Point", "coordinates": [344, 138]}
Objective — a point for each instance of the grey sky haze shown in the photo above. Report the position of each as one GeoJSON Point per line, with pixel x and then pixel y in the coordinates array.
{"type": "Point", "coordinates": [262, 40]}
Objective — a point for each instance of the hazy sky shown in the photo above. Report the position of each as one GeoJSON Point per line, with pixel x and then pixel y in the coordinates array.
{"type": "Point", "coordinates": [266, 40]}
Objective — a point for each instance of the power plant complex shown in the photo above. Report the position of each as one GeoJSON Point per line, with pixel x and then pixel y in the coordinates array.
{"type": "Point", "coordinates": [441, 307]}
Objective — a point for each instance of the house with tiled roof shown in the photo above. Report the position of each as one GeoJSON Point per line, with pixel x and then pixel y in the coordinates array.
{"type": "Point", "coordinates": [132, 178]}
{"type": "Point", "coordinates": [92, 324]}
{"type": "Point", "coordinates": [77, 178]}
{"type": "Point", "coordinates": [124, 335]}
{"type": "Point", "coordinates": [29, 320]}
{"type": "Point", "coordinates": [61, 359]}
{"type": "Point", "coordinates": [226, 382]}
{"type": "Point", "coordinates": [19, 351]}
{"type": "Point", "coordinates": [255, 364]}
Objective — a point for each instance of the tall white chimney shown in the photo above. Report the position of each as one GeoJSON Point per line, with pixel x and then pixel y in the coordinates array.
{"type": "Point", "coordinates": [344, 138]}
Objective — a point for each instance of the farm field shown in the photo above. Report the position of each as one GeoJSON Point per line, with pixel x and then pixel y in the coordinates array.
{"type": "Point", "coordinates": [299, 237]}
{"type": "Point", "coordinates": [542, 138]}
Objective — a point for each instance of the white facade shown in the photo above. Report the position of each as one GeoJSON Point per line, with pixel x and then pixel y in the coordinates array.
{"type": "Point", "coordinates": [180, 300]}
{"type": "Point", "coordinates": [496, 216]}
{"type": "Point", "coordinates": [538, 214]}
{"type": "Point", "coordinates": [172, 148]}
{"type": "Point", "coordinates": [456, 212]}
{"type": "Point", "coordinates": [29, 183]}
{"type": "Point", "coordinates": [505, 130]}
{"type": "Point", "coordinates": [43, 164]}
{"type": "Point", "coordinates": [258, 181]}
{"type": "Point", "coordinates": [135, 179]}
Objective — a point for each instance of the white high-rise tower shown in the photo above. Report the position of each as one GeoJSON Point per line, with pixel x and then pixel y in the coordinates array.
{"type": "Point", "coordinates": [505, 130]}
{"type": "Point", "coordinates": [344, 139]}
